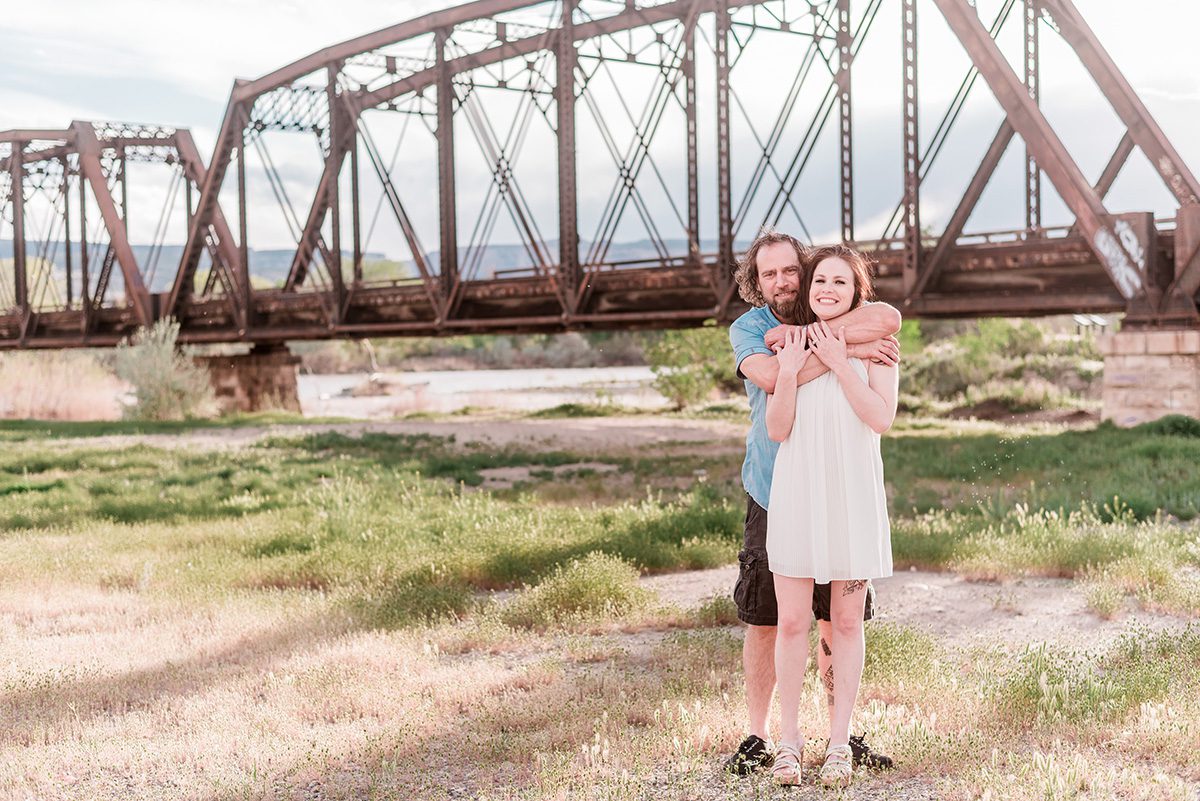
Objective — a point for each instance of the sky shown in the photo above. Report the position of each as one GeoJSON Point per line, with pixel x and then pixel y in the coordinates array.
{"type": "Point", "coordinates": [173, 62]}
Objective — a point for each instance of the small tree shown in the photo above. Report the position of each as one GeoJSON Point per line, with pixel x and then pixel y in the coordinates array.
{"type": "Point", "coordinates": [690, 363]}
{"type": "Point", "coordinates": [167, 384]}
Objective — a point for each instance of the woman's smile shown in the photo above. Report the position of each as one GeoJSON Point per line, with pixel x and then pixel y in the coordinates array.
{"type": "Point", "coordinates": [832, 290]}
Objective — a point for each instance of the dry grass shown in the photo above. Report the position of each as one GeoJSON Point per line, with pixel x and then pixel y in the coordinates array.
{"type": "Point", "coordinates": [124, 694]}
{"type": "Point", "coordinates": [58, 385]}
{"type": "Point", "coordinates": [148, 656]}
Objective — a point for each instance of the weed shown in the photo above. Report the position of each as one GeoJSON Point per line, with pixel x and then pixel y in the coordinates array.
{"type": "Point", "coordinates": [898, 654]}
{"type": "Point", "coordinates": [595, 586]}
{"type": "Point", "coordinates": [1047, 687]}
{"type": "Point", "coordinates": [584, 410]}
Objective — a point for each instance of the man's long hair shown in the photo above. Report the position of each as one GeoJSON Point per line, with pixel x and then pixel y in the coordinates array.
{"type": "Point", "coordinates": [746, 274]}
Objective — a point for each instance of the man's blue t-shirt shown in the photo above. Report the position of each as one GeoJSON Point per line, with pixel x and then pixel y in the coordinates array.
{"type": "Point", "coordinates": [746, 335]}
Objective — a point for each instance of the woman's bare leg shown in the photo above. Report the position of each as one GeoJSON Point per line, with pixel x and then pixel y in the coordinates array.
{"type": "Point", "coordinates": [849, 648]}
{"type": "Point", "coordinates": [791, 651]}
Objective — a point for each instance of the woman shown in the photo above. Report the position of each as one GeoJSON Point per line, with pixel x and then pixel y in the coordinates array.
{"type": "Point", "coordinates": [828, 520]}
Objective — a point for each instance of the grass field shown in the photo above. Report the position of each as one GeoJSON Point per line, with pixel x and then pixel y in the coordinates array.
{"type": "Point", "coordinates": [327, 614]}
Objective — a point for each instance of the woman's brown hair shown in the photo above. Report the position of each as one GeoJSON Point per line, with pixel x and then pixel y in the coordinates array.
{"type": "Point", "coordinates": [860, 267]}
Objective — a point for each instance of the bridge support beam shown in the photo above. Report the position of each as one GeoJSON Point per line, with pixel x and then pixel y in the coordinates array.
{"type": "Point", "coordinates": [1150, 374]}
{"type": "Point", "coordinates": [264, 378]}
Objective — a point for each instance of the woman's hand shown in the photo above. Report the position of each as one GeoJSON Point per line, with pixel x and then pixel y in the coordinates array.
{"type": "Point", "coordinates": [774, 338]}
{"type": "Point", "coordinates": [830, 348]}
{"type": "Point", "coordinates": [793, 352]}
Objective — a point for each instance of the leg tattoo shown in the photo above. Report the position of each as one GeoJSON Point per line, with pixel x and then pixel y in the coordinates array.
{"type": "Point", "coordinates": [852, 587]}
{"type": "Point", "coordinates": [825, 647]}
{"type": "Point", "coordinates": [828, 679]}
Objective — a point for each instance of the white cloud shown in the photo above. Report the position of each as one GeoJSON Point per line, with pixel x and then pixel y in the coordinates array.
{"type": "Point", "coordinates": [190, 52]}
{"type": "Point", "coordinates": [199, 47]}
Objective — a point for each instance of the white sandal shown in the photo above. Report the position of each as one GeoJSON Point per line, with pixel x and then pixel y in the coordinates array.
{"type": "Point", "coordinates": [786, 770]}
{"type": "Point", "coordinates": [838, 767]}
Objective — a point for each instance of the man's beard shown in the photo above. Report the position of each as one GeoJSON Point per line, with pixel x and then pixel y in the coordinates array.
{"type": "Point", "coordinates": [789, 310]}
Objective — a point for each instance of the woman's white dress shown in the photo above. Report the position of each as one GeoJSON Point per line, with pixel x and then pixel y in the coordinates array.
{"type": "Point", "coordinates": [827, 517]}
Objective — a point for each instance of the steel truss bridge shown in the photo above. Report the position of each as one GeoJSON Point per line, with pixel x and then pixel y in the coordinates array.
{"type": "Point", "coordinates": [484, 79]}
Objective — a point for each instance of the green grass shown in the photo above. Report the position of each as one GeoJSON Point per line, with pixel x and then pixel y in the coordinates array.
{"type": "Point", "coordinates": [1046, 687]}
{"type": "Point", "coordinates": [1149, 468]}
{"type": "Point", "coordinates": [586, 410]}
{"type": "Point", "coordinates": [34, 430]}
{"type": "Point", "coordinates": [596, 586]}
{"type": "Point", "coordinates": [391, 526]}
{"type": "Point", "coordinates": [386, 524]}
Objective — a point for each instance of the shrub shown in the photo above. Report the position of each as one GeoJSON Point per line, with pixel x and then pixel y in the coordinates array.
{"type": "Point", "coordinates": [167, 384]}
{"type": "Point", "coordinates": [598, 585]}
{"type": "Point", "coordinates": [1013, 366]}
{"type": "Point", "coordinates": [689, 364]}
{"type": "Point", "coordinates": [1173, 425]}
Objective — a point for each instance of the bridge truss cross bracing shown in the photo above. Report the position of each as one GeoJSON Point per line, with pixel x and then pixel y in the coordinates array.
{"type": "Point", "coordinates": [508, 97]}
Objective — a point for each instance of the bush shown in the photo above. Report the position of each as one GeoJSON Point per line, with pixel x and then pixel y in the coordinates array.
{"type": "Point", "coordinates": [1018, 365]}
{"type": "Point", "coordinates": [1173, 425]}
{"type": "Point", "coordinates": [598, 585]}
{"type": "Point", "coordinates": [167, 384]}
{"type": "Point", "coordinates": [689, 364]}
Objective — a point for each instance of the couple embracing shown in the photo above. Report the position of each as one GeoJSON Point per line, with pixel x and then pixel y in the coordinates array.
{"type": "Point", "coordinates": [820, 365]}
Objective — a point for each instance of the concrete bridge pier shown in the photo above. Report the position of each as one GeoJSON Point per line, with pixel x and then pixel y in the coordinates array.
{"type": "Point", "coordinates": [264, 378]}
{"type": "Point", "coordinates": [1150, 374]}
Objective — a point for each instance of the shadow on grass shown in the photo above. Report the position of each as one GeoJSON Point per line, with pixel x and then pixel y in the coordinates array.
{"type": "Point", "coordinates": [21, 430]}
{"type": "Point", "coordinates": [527, 724]}
{"type": "Point", "coordinates": [50, 709]}
{"type": "Point", "coordinates": [431, 455]}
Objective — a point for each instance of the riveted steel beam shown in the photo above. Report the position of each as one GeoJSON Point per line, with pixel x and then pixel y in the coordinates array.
{"type": "Point", "coordinates": [725, 262]}
{"type": "Point", "coordinates": [912, 147]}
{"type": "Point", "coordinates": [1181, 296]}
{"type": "Point", "coordinates": [240, 298]}
{"type": "Point", "coordinates": [1129, 107]}
{"type": "Point", "coordinates": [1033, 176]}
{"type": "Point", "coordinates": [66, 197]}
{"type": "Point", "coordinates": [207, 206]}
{"type": "Point", "coordinates": [91, 171]}
{"type": "Point", "coordinates": [447, 213]}
{"type": "Point", "coordinates": [16, 167]}
{"type": "Point", "coordinates": [845, 41]}
{"type": "Point", "coordinates": [570, 275]}
{"type": "Point", "coordinates": [693, 155]}
{"type": "Point", "coordinates": [1109, 240]}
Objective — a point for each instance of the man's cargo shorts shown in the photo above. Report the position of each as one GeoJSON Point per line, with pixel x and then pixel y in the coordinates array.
{"type": "Point", "coordinates": [754, 592]}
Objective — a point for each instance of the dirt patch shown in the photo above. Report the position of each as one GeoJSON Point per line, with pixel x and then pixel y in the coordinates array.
{"type": "Point", "coordinates": [961, 614]}
{"type": "Point", "coordinates": [508, 477]}
{"type": "Point", "coordinates": [996, 411]}
{"type": "Point", "coordinates": [581, 435]}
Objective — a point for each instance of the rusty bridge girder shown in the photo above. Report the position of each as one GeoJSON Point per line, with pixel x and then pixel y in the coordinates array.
{"type": "Point", "coordinates": [552, 57]}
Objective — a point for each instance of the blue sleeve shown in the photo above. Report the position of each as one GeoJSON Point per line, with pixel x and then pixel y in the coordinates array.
{"type": "Point", "coordinates": [747, 340]}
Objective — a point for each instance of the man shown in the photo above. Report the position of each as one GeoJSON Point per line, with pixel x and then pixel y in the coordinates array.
{"type": "Point", "coordinates": [769, 278]}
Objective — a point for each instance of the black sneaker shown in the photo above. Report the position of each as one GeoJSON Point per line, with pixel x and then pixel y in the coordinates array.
{"type": "Point", "coordinates": [864, 756]}
{"type": "Point", "coordinates": [750, 756]}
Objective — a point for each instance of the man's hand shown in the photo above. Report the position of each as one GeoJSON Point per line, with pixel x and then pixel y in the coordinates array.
{"type": "Point", "coordinates": [775, 337]}
{"type": "Point", "coordinates": [881, 351]}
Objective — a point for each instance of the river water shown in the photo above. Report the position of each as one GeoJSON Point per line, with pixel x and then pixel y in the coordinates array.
{"type": "Point", "coordinates": [398, 394]}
